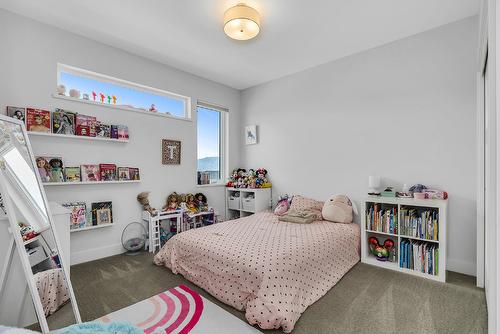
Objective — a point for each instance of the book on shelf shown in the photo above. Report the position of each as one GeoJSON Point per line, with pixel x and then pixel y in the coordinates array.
{"type": "Point", "coordinates": [63, 122]}
{"type": "Point", "coordinates": [114, 132]}
{"type": "Point", "coordinates": [72, 174]}
{"type": "Point", "coordinates": [102, 130]}
{"type": "Point", "coordinates": [37, 120]}
{"type": "Point", "coordinates": [420, 256]}
{"type": "Point", "coordinates": [123, 173]}
{"type": "Point", "coordinates": [102, 213]}
{"type": "Point", "coordinates": [17, 113]}
{"type": "Point", "coordinates": [78, 216]}
{"type": "Point", "coordinates": [122, 132]}
{"type": "Point", "coordinates": [90, 173]}
{"type": "Point", "coordinates": [381, 219]}
{"type": "Point", "coordinates": [420, 223]}
{"type": "Point", "coordinates": [85, 125]}
{"type": "Point", "coordinates": [134, 174]}
{"type": "Point", "coordinates": [108, 172]}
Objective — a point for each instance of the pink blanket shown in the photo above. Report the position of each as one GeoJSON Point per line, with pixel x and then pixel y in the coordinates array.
{"type": "Point", "coordinates": [273, 270]}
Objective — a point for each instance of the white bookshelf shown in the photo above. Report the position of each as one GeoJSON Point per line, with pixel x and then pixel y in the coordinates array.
{"type": "Point", "coordinates": [405, 203]}
{"type": "Point", "coordinates": [90, 228]}
{"type": "Point", "coordinates": [243, 205]}
{"type": "Point", "coordinates": [55, 135]}
{"type": "Point", "coordinates": [88, 183]}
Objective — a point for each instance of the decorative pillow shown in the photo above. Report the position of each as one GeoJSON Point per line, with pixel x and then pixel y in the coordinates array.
{"type": "Point", "coordinates": [338, 209]}
{"type": "Point", "coordinates": [300, 203]}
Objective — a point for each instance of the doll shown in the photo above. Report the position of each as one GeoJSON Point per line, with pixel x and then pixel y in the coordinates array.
{"type": "Point", "coordinates": [56, 166]}
{"type": "Point", "coordinates": [191, 203]}
{"type": "Point", "coordinates": [261, 177]}
{"type": "Point", "coordinates": [172, 203]}
{"type": "Point", "coordinates": [43, 169]}
{"type": "Point", "coordinates": [201, 199]}
{"type": "Point", "coordinates": [143, 199]}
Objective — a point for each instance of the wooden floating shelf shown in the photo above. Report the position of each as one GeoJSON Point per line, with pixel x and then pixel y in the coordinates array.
{"type": "Point", "coordinates": [90, 228]}
{"type": "Point", "coordinates": [44, 134]}
{"type": "Point", "coordinates": [87, 183]}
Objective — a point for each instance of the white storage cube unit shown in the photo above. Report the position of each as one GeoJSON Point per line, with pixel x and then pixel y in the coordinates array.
{"type": "Point", "coordinates": [242, 202]}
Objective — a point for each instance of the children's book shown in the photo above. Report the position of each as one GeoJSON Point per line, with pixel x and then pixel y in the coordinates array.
{"type": "Point", "coordinates": [102, 213]}
{"type": "Point", "coordinates": [122, 132]}
{"type": "Point", "coordinates": [78, 217]}
{"type": "Point", "coordinates": [114, 131]}
{"type": "Point", "coordinates": [72, 174]}
{"type": "Point", "coordinates": [123, 173]}
{"type": "Point", "coordinates": [85, 125]}
{"type": "Point", "coordinates": [108, 172]}
{"type": "Point", "coordinates": [90, 173]}
{"type": "Point", "coordinates": [63, 122]}
{"type": "Point", "coordinates": [17, 113]}
{"type": "Point", "coordinates": [37, 120]}
{"type": "Point", "coordinates": [103, 130]}
{"type": "Point", "coordinates": [134, 174]}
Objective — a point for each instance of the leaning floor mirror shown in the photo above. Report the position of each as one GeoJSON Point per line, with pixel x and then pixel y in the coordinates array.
{"type": "Point", "coordinates": [35, 290]}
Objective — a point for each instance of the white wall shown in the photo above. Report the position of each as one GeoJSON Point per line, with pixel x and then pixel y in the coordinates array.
{"type": "Point", "coordinates": [29, 54]}
{"type": "Point", "coordinates": [404, 111]}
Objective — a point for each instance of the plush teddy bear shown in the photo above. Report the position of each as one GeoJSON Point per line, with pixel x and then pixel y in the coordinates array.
{"type": "Point", "coordinates": [338, 209]}
{"type": "Point", "coordinates": [143, 199]}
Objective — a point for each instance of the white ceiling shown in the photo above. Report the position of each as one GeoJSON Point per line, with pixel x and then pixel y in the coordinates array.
{"type": "Point", "coordinates": [295, 35]}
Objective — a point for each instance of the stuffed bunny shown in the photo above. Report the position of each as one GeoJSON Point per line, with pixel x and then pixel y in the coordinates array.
{"type": "Point", "coordinates": [338, 209]}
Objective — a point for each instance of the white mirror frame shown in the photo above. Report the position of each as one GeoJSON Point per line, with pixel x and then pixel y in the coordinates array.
{"type": "Point", "coordinates": [16, 235]}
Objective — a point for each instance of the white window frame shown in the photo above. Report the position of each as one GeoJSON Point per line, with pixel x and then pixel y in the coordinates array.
{"type": "Point", "coordinates": [223, 142]}
{"type": "Point", "coordinates": [128, 84]}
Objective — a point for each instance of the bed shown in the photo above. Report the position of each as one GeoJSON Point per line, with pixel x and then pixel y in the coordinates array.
{"type": "Point", "coordinates": [271, 269]}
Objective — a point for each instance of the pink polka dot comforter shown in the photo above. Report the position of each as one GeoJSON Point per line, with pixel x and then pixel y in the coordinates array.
{"type": "Point", "coordinates": [274, 270]}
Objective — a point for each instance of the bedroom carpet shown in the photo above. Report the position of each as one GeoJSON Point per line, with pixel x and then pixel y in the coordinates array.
{"type": "Point", "coordinates": [367, 300]}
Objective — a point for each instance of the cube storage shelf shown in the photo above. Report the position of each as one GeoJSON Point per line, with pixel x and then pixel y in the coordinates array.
{"type": "Point", "coordinates": [435, 238]}
{"type": "Point", "coordinates": [241, 202]}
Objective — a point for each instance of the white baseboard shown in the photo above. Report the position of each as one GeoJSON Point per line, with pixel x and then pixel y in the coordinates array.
{"type": "Point", "coordinates": [95, 253]}
{"type": "Point", "coordinates": [459, 266]}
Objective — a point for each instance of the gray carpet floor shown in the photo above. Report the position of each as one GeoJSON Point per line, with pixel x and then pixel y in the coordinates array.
{"type": "Point", "coordinates": [367, 299]}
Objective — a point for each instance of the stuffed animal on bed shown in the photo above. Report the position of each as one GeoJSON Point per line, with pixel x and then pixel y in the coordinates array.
{"type": "Point", "coordinates": [283, 205]}
{"type": "Point", "coordinates": [338, 209]}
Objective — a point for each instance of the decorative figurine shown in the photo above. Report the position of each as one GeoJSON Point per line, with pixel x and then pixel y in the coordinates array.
{"type": "Point", "coordinates": [191, 203]}
{"type": "Point", "coordinates": [153, 108]}
{"type": "Point", "coordinates": [86, 96]}
{"type": "Point", "coordinates": [202, 202]}
{"type": "Point", "coordinates": [109, 99]}
{"type": "Point", "coordinates": [61, 90]}
{"type": "Point", "coordinates": [102, 97]}
{"type": "Point", "coordinates": [94, 95]}
{"type": "Point", "coordinates": [381, 252]}
{"type": "Point", "coordinates": [114, 99]}
{"type": "Point", "coordinates": [142, 198]}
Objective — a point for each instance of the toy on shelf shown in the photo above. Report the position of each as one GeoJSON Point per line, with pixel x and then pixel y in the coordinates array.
{"type": "Point", "coordinates": [114, 99]}
{"type": "Point", "coordinates": [43, 169]}
{"type": "Point", "coordinates": [153, 108]}
{"type": "Point", "coordinates": [74, 93]}
{"type": "Point", "coordinates": [85, 96]}
{"type": "Point", "coordinates": [102, 96]}
{"type": "Point", "coordinates": [201, 200]}
{"type": "Point", "coordinates": [61, 90]}
{"type": "Point", "coordinates": [27, 231]}
{"type": "Point", "coordinates": [191, 203]}
{"type": "Point", "coordinates": [143, 199]}
{"type": "Point", "coordinates": [172, 203]}
{"type": "Point", "coordinates": [381, 252]}
{"type": "Point", "coordinates": [94, 95]}
{"type": "Point", "coordinates": [109, 99]}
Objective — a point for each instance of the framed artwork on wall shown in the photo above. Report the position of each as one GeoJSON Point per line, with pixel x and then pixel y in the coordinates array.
{"type": "Point", "coordinates": [251, 134]}
{"type": "Point", "coordinates": [171, 152]}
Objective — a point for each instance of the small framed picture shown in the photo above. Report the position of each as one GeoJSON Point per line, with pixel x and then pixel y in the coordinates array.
{"type": "Point", "coordinates": [171, 152]}
{"type": "Point", "coordinates": [18, 113]}
{"type": "Point", "coordinates": [251, 134]}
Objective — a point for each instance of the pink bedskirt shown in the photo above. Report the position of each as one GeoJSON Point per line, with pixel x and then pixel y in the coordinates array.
{"type": "Point", "coordinates": [273, 270]}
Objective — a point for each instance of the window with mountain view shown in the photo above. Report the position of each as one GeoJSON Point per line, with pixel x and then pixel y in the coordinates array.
{"type": "Point", "coordinates": [210, 144]}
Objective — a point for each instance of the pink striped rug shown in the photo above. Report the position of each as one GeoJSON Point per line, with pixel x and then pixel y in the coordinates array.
{"type": "Point", "coordinates": [180, 310]}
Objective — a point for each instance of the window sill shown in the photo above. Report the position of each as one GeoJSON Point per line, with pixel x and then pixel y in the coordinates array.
{"type": "Point", "coordinates": [211, 185]}
{"type": "Point", "coordinates": [119, 107]}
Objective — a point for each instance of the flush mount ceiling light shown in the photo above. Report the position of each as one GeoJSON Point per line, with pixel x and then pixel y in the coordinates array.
{"type": "Point", "coordinates": [241, 22]}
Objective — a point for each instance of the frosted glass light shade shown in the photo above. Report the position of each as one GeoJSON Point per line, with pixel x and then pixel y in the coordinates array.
{"type": "Point", "coordinates": [241, 22]}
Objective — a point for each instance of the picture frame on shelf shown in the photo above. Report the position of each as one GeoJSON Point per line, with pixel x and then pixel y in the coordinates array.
{"type": "Point", "coordinates": [17, 113]}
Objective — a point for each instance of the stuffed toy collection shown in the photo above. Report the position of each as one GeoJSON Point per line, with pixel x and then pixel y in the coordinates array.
{"type": "Point", "coordinates": [192, 203]}
{"type": "Point", "coordinates": [240, 178]}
